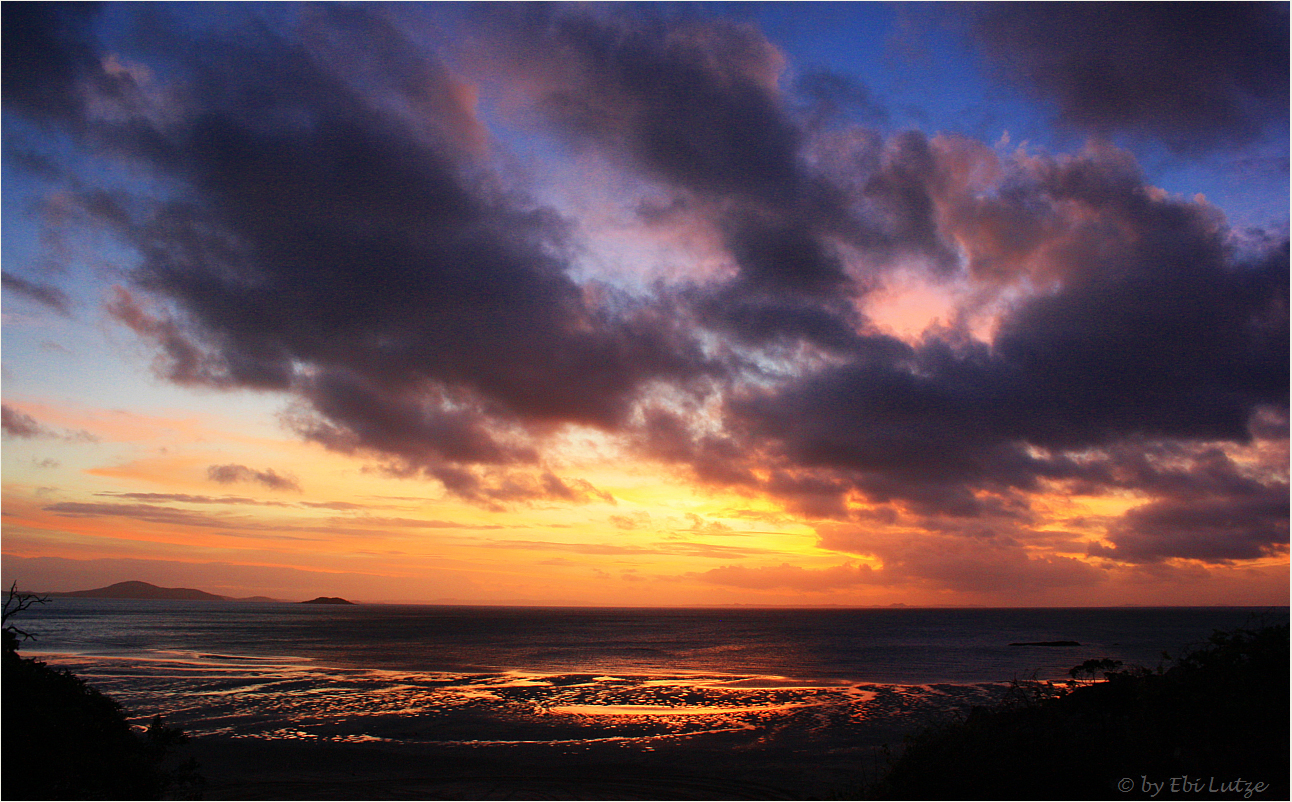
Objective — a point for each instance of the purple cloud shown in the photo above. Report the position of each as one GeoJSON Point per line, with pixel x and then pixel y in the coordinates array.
{"type": "Point", "coordinates": [228, 474]}
{"type": "Point", "coordinates": [1197, 76]}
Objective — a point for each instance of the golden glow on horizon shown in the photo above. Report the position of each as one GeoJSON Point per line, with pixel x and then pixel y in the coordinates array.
{"type": "Point", "coordinates": [653, 544]}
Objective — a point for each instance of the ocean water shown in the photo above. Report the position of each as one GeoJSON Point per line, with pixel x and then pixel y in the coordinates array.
{"type": "Point", "coordinates": [825, 680]}
{"type": "Point", "coordinates": [905, 646]}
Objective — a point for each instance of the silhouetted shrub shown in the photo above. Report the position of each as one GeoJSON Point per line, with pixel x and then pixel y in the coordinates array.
{"type": "Point", "coordinates": [1221, 711]}
{"type": "Point", "coordinates": [62, 739]}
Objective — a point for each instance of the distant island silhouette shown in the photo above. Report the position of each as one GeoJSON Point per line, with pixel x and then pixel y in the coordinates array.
{"type": "Point", "coordinates": [328, 600]}
{"type": "Point", "coordinates": [140, 590]}
{"type": "Point", "coordinates": [135, 589]}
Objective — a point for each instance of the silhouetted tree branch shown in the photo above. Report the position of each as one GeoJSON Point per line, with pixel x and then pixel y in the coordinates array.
{"type": "Point", "coordinates": [15, 602]}
{"type": "Point", "coordinates": [1092, 668]}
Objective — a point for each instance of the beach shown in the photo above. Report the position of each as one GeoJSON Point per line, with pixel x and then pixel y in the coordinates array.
{"type": "Point", "coordinates": [265, 730]}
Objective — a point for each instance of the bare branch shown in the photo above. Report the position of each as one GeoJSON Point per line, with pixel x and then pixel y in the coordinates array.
{"type": "Point", "coordinates": [15, 603]}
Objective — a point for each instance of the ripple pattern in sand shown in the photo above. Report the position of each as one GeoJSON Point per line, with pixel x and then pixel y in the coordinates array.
{"type": "Point", "coordinates": [260, 699]}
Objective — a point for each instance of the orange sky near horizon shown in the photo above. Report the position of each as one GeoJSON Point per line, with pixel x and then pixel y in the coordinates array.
{"type": "Point", "coordinates": [353, 530]}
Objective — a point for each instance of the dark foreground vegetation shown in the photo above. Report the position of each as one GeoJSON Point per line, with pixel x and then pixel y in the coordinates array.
{"type": "Point", "coordinates": [63, 739]}
{"type": "Point", "coordinates": [1218, 717]}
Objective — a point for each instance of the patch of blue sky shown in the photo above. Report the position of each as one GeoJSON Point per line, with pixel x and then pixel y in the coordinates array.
{"type": "Point", "coordinates": [918, 64]}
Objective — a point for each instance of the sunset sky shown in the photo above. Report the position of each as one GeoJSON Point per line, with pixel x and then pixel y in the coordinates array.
{"type": "Point", "coordinates": [649, 304]}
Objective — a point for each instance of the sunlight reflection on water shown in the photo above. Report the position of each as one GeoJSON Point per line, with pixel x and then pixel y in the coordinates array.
{"type": "Point", "coordinates": [298, 701]}
{"type": "Point", "coordinates": [665, 710]}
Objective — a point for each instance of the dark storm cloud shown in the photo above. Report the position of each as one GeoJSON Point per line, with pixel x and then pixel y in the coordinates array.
{"type": "Point", "coordinates": [48, 54]}
{"type": "Point", "coordinates": [814, 494]}
{"type": "Point", "coordinates": [332, 221]}
{"type": "Point", "coordinates": [780, 257]}
{"type": "Point", "coordinates": [692, 103]}
{"type": "Point", "coordinates": [413, 427]}
{"type": "Point", "coordinates": [55, 74]}
{"type": "Point", "coordinates": [757, 318]}
{"type": "Point", "coordinates": [1170, 340]}
{"type": "Point", "coordinates": [896, 201]}
{"type": "Point", "coordinates": [1209, 528]}
{"type": "Point", "coordinates": [793, 285]}
{"type": "Point", "coordinates": [1155, 331]}
{"type": "Point", "coordinates": [324, 230]}
{"type": "Point", "coordinates": [45, 294]}
{"type": "Point", "coordinates": [1195, 75]}
{"type": "Point", "coordinates": [1206, 507]}
{"type": "Point", "coordinates": [697, 107]}
{"type": "Point", "coordinates": [228, 474]}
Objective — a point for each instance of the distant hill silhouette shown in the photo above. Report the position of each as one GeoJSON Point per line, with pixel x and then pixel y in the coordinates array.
{"type": "Point", "coordinates": [140, 590]}
{"type": "Point", "coordinates": [144, 590]}
{"type": "Point", "coordinates": [328, 600]}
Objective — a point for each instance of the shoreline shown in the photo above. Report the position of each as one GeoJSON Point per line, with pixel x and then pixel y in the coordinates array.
{"type": "Point", "coordinates": [293, 731]}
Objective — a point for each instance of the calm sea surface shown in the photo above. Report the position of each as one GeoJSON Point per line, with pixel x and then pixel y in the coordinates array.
{"type": "Point", "coordinates": [905, 646]}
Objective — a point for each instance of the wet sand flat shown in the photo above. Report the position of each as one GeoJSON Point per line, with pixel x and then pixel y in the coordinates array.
{"type": "Point", "coordinates": [293, 731]}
